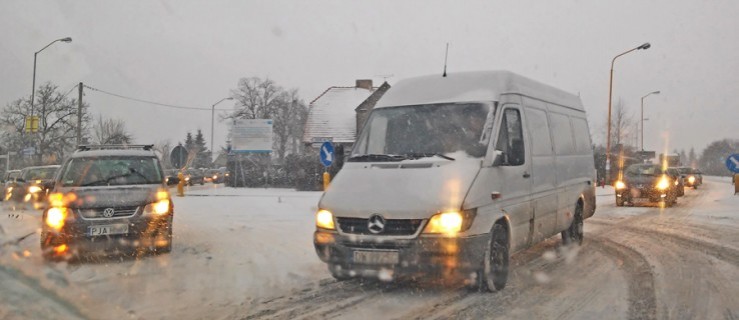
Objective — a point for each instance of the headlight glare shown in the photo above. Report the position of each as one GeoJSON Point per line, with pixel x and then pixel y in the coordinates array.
{"type": "Point", "coordinates": [620, 185]}
{"type": "Point", "coordinates": [55, 217]}
{"type": "Point", "coordinates": [691, 179]}
{"type": "Point", "coordinates": [160, 207]}
{"type": "Point", "coordinates": [449, 223]}
{"type": "Point", "coordinates": [663, 184]}
{"type": "Point", "coordinates": [34, 189]}
{"type": "Point", "coordinates": [325, 219]}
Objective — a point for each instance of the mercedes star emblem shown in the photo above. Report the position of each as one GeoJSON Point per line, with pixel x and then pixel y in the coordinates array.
{"type": "Point", "coordinates": [376, 224]}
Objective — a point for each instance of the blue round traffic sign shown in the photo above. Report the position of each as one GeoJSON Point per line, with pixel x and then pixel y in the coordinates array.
{"type": "Point", "coordinates": [732, 162]}
{"type": "Point", "coordinates": [327, 154]}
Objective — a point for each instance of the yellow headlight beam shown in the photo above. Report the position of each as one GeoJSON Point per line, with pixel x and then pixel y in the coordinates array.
{"type": "Point", "coordinates": [325, 219]}
{"type": "Point", "coordinates": [449, 223]}
{"type": "Point", "coordinates": [55, 217]}
{"type": "Point", "coordinates": [620, 185]}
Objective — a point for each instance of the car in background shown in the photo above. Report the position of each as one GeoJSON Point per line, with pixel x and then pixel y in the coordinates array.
{"type": "Point", "coordinates": [9, 183]}
{"type": "Point", "coordinates": [215, 176]}
{"type": "Point", "coordinates": [646, 181]}
{"type": "Point", "coordinates": [690, 177]}
{"type": "Point", "coordinates": [679, 182]}
{"type": "Point", "coordinates": [193, 176]}
{"type": "Point", "coordinates": [171, 177]}
{"type": "Point", "coordinates": [33, 184]}
{"type": "Point", "coordinates": [108, 199]}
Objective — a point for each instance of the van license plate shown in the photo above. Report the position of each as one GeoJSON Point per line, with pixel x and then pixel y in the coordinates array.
{"type": "Point", "coordinates": [376, 257]}
{"type": "Point", "coordinates": [107, 229]}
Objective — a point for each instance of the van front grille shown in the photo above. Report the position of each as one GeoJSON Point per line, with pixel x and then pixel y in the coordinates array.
{"type": "Point", "coordinates": [393, 227]}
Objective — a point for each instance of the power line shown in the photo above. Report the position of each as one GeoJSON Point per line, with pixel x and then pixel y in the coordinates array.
{"type": "Point", "coordinates": [148, 101]}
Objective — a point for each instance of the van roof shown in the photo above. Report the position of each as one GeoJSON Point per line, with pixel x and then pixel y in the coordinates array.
{"type": "Point", "coordinates": [472, 86]}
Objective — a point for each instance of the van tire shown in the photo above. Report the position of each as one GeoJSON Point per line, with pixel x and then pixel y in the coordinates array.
{"type": "Point", "coordinates": [494, 274]}
{"type": "Point", "coordinates": [575, 232]}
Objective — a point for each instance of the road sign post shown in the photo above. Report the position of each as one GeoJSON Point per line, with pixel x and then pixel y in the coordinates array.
{"type": "Point", "coordinates": [732, 163]}
{"type": "Point", "coordinates": [327, 158]}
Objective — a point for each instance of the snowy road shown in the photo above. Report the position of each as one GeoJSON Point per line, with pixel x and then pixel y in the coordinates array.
{"type": "Point", "coordinates": [248, 254]}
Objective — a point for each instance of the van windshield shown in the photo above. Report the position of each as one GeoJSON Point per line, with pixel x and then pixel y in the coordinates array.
{"type": "Point", "coordinates": [425, 130]}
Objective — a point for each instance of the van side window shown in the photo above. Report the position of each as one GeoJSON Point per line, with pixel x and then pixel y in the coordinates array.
{"type": "Point", "coordinates": [510, 138]}
{"type": "Point", "coordinates": [582, 135]}
{"type": "Point", "coordinates": [562, 133]}
{"type": "Point", "coordinates": [541, 141]}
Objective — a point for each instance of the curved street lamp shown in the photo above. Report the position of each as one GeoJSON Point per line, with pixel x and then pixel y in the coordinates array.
{"type": "Point", "coordinates": [642, 116]}
{"type": "Point", "coordinates": [212, 115]}
{"type": "Point", "coordinates": [35, 54]}
{"type": "Point", "coordinates": [644, 46]}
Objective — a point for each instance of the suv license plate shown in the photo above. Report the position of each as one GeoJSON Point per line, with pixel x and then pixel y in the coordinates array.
{"type": "Point", "coordinates": [107, 229]}
{"type": "Point", "coordinates": [376, 257]}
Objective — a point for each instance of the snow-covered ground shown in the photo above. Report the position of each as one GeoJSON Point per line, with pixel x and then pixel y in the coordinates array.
{"type": "Point", "coordinates": [248, 253]}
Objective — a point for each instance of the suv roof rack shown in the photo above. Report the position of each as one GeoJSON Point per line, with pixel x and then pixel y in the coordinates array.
{"type": "Point", "coordinates": [146, 147]}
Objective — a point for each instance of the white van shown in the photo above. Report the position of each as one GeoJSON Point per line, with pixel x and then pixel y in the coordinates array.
{"type": "Point", "coordinates": [451, 175]}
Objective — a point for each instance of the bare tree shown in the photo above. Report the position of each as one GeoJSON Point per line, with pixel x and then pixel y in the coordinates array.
{"type": "Point", "coordinates": [163, 149]}
{"type": "Point", "coordinates": [263, 99]}
{"type": "Point", "coordinates": [622, 125]}
{"type": "Point", "coordinates": [57, 127]}
{"type": "Point", "coordinates": [111, 131]}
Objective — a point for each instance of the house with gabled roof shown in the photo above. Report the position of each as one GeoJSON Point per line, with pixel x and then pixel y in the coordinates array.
{"type": "Point", "coordinates": [338, 114]}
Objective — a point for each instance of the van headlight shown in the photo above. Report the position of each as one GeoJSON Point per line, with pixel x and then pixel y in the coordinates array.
{"type": "Point", "coordinates": [620, 185]}
{"type": "Point", "coordinates": [34, 189]}
{"type": "Point", "coordinates": [663, 184]}
{"type": "Point", "coordinates": [325, 220]}
{"type": "Point", "coordinates": [450, 222]}
{"type": "Point", "coordinates": [55, 217]}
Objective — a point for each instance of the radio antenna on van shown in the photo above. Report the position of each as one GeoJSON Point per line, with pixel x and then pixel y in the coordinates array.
{"type": "Point", "coordinates": [446, 55]}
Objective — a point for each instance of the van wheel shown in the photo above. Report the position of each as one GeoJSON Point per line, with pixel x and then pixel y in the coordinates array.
{"type": "Point", "coordinates": [494, 274]}
{"type": "Point", "coordinates": [575, 233]}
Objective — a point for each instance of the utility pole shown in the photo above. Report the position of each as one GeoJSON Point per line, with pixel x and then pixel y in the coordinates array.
{"type": "Point", "coordinates": [79, 116]}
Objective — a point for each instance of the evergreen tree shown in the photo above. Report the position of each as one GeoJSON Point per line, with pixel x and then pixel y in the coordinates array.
{"type": "Point", "coordinates": [202, 155]}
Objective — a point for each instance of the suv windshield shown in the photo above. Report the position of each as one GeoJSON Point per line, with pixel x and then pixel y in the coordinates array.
{"type": "Point", "coordinates": [643, 170]}
{"type": "Point", "coordinates": [39, 173]}
{"type": "Point", "coordinates": [425, 130]}
{"type": "Point", "coordinates": [101, 171]}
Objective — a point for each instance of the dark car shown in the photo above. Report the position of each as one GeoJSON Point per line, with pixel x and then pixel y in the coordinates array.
{"type": "Point", "coordinates": [690, 177]}
{"type": "Point", "coordinates": [215, 176]}
{"type": "Point", "coordinates": [679, 181]}
{"type": "Point", "coordinates": [646, 181]}
{"type": "Point", "coordinates": [171, 177]}
{"type": "Point", "coordinates": [33, 184]}
{"type": "Point", "coordinates": [193, 176]}
{"type": "Point", "coordinates": [108, 199]}
{"type": "Point", "coordinates": [9, 183]}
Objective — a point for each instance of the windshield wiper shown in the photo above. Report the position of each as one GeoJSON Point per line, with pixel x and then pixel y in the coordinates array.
{"type": "Point", "coordinates": [376, 157]}
{"type": "Point", "coordinates": [427, 155]}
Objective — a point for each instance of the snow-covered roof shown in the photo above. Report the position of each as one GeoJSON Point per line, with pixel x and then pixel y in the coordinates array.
{"type": "Point", "coordinates": [332, 114]}
{"type": "Point", "coordinates": [472, 86]}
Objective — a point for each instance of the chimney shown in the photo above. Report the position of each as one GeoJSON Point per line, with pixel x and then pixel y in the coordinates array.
{"type": "Point", "coordinates": [364, 84]}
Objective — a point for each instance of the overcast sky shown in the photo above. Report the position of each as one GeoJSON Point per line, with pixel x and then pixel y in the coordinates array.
{"type": "Point", "coordinates": [192, 53]}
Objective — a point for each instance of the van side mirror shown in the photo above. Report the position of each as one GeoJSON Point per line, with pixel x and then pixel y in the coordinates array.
{"type": "Point", "coordinates": [498, 158]}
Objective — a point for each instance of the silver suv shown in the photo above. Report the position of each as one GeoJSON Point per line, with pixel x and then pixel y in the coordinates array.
{"type": "Point", "coordinates": [105, 199]}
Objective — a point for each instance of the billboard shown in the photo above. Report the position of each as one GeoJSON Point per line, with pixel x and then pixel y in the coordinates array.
{"type": "Point", "coordinates": [251, 136]}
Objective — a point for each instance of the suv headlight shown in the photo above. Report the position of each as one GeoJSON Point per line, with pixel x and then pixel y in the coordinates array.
{"type": "Point", "coordinates": [56, 216]}
{"type": "Point", "coordinates": [160, 207]}
{"type": "Point", "coordinates": [620, 185]}
{"type": "Point", "coordinates": [325, 219]}
{"type": "Point", "coordinates": [663, 184]}
{"type": "Point", "coordinates": [691, 179]}
{"type": "Point", "coordinates": [450, 222]}
{"type": "Point", "coordinates": [34, 189]}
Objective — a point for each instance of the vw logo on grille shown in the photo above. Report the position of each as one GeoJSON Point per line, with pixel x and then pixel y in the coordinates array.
{"type": "Point", "coordinates": [376, 223]}
{"type": "Point", "coordinates": [108, 212]}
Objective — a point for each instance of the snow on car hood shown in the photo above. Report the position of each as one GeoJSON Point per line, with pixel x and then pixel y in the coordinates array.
{"type": "Point", "coordinates": [410, 189]}
{"type": "Point", "coordinates": [110, 196]}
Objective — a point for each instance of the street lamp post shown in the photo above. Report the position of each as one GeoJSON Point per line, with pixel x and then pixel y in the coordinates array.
{"type": "Point", "coordinates": [642, 116]}
{"type": "Point", "coordinates": [644, 46]}
{"type": "Point", "coordinates": [35, 54]}
{"type": "Point", "coordinates": [212, 115]}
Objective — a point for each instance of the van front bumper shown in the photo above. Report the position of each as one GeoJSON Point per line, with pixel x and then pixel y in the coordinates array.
{"type": "Point", "coordinates": [423, 255]}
